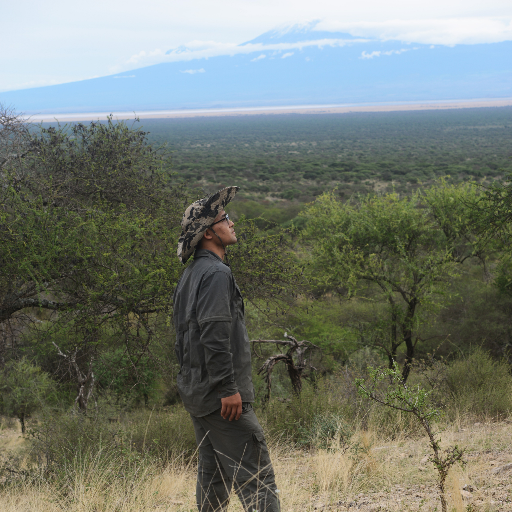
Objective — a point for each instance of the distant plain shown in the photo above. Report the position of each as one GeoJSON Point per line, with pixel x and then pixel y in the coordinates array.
{"type": "Point", "coordinates": [298, 109]}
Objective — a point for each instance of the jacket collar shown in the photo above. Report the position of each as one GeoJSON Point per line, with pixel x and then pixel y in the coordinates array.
{"type": "Point", "coordinates": [205, 253]}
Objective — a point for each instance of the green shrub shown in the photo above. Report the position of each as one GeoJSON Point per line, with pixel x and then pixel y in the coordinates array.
{"type": "Point", "coordinates": [24, 388]}
{"type": "Point", "coordinates": [297, 418]}
{"type": "Point", "coordinates": [114, 371]}
{"type": "Point", "coordinates": [330, 412]}
{"type": "Point", "coordinates": [326, 431]}
{"type": "Point", "coordinates": [480, 386]}
{"type": "Point", "coordinates": [161, 436]}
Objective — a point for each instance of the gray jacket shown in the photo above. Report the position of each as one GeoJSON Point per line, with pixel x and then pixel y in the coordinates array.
{"type": "Point", "coordinates": [212, 344]}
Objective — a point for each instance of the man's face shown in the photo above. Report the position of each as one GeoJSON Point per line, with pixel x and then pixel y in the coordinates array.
{"type": "Point", "coordinates": [225, 229]}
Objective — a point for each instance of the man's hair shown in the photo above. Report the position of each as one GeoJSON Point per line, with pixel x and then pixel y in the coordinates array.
{"type": "Point", "coordinates": [200, 243]}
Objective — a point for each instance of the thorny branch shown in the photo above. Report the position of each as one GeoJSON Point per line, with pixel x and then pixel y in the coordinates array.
{"type": "Point", "coordinates": [415, 401]}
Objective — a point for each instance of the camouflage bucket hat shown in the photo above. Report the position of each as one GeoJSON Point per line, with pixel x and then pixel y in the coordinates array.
{"type": "Point", "coordinates": [198, 217]}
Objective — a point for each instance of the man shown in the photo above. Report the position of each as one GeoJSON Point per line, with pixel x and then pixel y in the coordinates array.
{"type": "Point", "coordinates": [213, 351]}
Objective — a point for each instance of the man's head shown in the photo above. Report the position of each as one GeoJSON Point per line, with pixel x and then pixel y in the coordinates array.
{"type": "Point", "coordinates": [204, 220]}
{"type": "Point", "coordinates": [219, 235]}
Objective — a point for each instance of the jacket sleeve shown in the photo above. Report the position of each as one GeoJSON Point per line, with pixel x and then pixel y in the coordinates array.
{"type": "Point", "coordinates": [214, 318]}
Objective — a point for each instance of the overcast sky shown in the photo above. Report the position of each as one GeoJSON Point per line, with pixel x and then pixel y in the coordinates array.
{"type": "Point", "coordinates": [57, 41]}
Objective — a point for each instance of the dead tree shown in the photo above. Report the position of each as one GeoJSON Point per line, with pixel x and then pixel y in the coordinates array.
{"type": "Point", "coordinates": [294, 359]}
{"type": "Point", "coordinates": [85, 381]}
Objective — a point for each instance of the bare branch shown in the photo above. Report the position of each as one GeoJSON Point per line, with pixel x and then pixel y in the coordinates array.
{"type": "Point", "coordinates": [85, 382]}
{"type": "Point", "coordinates": [295, 367]}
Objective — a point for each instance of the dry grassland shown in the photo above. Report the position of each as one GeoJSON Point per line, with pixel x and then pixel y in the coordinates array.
{"type": "Point", "coordinates": [381, 475]}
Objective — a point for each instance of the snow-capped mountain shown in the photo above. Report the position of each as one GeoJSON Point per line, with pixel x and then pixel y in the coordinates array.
{"type": "Point", "coordinates": [288, 66]}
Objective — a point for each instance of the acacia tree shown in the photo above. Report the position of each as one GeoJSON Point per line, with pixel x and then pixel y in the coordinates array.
{"type": "Point", "coordinates": [407, 249]}
{"type": "Point", "coordinates": [495, 208]}
{"type": "Point", "coordinates": [265, 266]}
{"type": "Point", "coordinates": [495, 212]}
{"type": "Point", "coordinates": [24, 388]}
{"type": "Point", "coordinates": [87, 233]}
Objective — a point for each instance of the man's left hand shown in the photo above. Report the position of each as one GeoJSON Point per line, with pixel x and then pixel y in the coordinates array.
{"type": "Point", "coordinates": [231, 407]}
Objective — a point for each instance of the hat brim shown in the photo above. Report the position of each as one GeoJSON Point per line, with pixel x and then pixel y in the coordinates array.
{"type": "Point", "coordinates": [198, 217]}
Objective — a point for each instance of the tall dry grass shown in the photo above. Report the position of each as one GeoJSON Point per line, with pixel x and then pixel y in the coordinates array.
{"type": "Point", "coordinates": [94, 485]}
{"type": "Point", "coordinates": [375, 473]}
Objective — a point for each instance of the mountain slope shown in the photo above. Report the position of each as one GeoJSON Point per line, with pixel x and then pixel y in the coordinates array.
{"type": "Point", "coordinates": [287, 67]}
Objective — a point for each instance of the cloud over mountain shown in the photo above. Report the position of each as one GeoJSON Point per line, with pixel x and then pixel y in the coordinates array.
{"type": "Point", "coordinates": [466, 30]}
{"type": "Point", "coordinates": [287, 66]}
{"type": "Point", "coordinates": [321, 33]}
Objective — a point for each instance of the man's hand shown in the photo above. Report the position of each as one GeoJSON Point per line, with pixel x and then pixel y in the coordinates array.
{"type": "Point", "coordinates": [231, 407]}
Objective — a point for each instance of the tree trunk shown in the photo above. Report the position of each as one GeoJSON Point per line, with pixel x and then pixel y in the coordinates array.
{"type": "Point", "coordinates": [295, 376]}
{"type": "Point", "coordinates": [85, 389]}
{"type": "Point", "coordinates": [409, 357]}
{"type": "Point", "coordinates": [392, 355]}
{"type": "Point", "coordinates": [407, 334]}
{"type": "Point", "coordinates": [444, 507]}
{"type": "Point", "coordinates": [85, 382]}
{"type": "Point", "coordinates": [22, 421]}
{"type": "Point", "coordinates": [393, 335]}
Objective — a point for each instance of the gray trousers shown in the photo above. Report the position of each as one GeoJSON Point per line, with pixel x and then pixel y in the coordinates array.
{"type": "Point", "coordinates": [234, 452]}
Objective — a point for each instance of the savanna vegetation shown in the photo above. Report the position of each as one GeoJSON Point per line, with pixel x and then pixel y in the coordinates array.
{"type": "Point", "coordinates": [300, 156]}
{"type": "Point", "coordinates": [380, 239]}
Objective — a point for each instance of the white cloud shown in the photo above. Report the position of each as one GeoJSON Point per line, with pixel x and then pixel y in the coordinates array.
{"type": "Point", "coordinates": [371, 55]}
{"type": "Point", "coordinates": [365, 55]}
{"type": "Point", "coordinates": [205, 49]}
{"type": "Point", "coordinates": [464, 30]}
{"type": "Point", "coordinates": [142, 56]}
{"type": "Point", "coordinates": [429, 31]}
{"type": "Point", "coordinates": [193, 71]}
{"type": "Point", "coordinates": [259, 57]}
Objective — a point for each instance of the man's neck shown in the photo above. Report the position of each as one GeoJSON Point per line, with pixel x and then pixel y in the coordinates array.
{"type": "Point", "coordinates": [219, 251]}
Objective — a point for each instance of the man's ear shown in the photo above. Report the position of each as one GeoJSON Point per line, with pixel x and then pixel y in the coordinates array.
{"type": "Point", "coordinates": [208, 235]}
